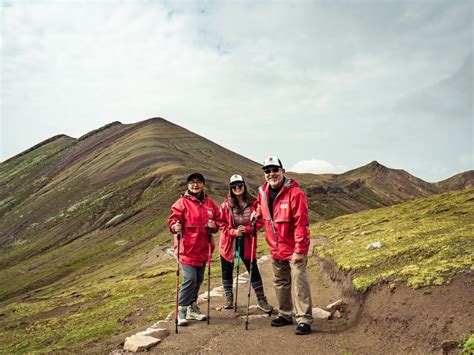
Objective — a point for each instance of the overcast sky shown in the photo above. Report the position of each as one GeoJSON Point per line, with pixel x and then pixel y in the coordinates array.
{"type": "Point", "coordinates": [327, 86]}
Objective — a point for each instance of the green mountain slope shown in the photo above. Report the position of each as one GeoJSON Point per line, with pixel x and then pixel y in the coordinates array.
{"type": "Point", "coordinates": [423, 242]}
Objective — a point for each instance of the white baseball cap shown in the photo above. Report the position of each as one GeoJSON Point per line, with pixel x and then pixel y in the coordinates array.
{"type": "Point", "coordinates": [272, 160]}
{"type": "Point", "coordinates": [236, 178]}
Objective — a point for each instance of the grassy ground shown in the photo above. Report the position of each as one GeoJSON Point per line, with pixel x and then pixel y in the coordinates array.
{"type": "Point", "coordinates": [424, 241]}
{"type": "Point", "coordinates": [83, 308]}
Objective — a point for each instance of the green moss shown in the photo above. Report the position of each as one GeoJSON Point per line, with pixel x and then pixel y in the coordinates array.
{"type": "Point", "coordinates": [424, 241]}
{"type": "Point", "coordinates": [468, 347]}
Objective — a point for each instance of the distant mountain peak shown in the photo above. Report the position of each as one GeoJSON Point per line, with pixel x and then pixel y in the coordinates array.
{"type": "Point", "coordinates": [375, 167]}
{"type": "Point", "coordinates": [374, 163]}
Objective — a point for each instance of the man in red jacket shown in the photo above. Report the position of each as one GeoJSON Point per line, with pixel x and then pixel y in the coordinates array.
{"type": "Point", "coordinates": [284, 209]}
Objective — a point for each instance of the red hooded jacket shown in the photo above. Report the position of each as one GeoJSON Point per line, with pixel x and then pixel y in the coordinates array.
{"type": "Point", "coordinates": [193, 215]}
{"type": "Point", "coordinates": [288, 231]}
{"type": "Point", "coordinates": [229, 232]}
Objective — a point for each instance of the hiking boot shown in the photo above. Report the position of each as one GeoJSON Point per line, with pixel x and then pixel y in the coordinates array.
{"type": "Point", "coordinates": [263, 305]}
{"type": "Point", "coordinates": [303, 329]}
{"type": "Point", "coordinates": [229, 300]}
{"type": "Point", "coordinates": [194, 312]}
{"type": "Point", "coordinates": [280, 321]}
{"type": "Point", "coordinates": [182, 310]}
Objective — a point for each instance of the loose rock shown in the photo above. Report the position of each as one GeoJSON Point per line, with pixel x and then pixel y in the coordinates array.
{"type": "Point", "coordinates": [335, 305]}
{"type": "Point", "coordinates": [159, 333]}
{"type": "Point", "coordinates": [319, 313]}
{"type": "Point", "coordinates": [137, 343]}
{"type": "Point", "coordinates": [241, 280]}
{"type": "Point", "coordinates": [160, 324]}
{"type": "Point", "coordinates": [170, 315]}
{"type": "Point", "coordinates": [374, 245]}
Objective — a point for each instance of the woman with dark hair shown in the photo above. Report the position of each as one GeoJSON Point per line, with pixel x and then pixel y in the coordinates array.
{"type": "Point", "coordinates": [192, 215]}
{"type": "Point", "coordinates": [236, 228]}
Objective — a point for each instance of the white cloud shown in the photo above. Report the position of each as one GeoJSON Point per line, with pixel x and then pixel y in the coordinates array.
{"type": "Point", "coordinates": [316, 166]}
{"type": "Point", "coordinates": [311, 79]}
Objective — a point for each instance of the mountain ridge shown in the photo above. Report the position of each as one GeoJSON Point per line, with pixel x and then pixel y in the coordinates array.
{"type": "Point", "coordinates": [98, 189]}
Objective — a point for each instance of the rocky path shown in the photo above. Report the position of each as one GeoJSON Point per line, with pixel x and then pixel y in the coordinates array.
{"type": "Point", "coordinates": [226, 333]}
{"type": "Point", "coordinates": [404, 321]}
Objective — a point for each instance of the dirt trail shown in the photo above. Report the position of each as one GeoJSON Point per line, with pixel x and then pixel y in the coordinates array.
{"type": "Point", "coordinates": [404, 321]}
{"type": "Point", "coordinates": [226, 333]}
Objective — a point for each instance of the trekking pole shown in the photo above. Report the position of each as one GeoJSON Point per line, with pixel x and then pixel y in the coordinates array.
{"type": "Point", "coordinates": [237, 278]}
{"type": "Point", "coordinates": [209, 239]}
{"type": "Point", "coordinates": [177, 285]}
{"type": "Point", "coordinates": [252, 243]}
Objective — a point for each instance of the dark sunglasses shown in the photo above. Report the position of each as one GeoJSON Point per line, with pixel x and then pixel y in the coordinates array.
{"type": "Point", "coordinates": [271, 170]}
{"type": "Point", "coordinates": [234, 186]}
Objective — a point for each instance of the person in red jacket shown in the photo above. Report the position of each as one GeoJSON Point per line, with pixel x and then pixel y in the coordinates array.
{"type": "Point", "coordinates": [236, 230]}
{"type": "Point", "coordinates": [192, 215]}
{"type": "Point", "coordinates": [284, 209]}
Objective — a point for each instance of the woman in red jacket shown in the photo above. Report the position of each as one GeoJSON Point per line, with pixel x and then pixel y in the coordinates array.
{"type": "Point", "coordinates": [192, 215]}
{"type": "Point", "coordinates": [236, 228]}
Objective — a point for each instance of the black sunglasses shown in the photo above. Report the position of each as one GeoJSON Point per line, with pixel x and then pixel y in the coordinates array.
{"type": "Point", "coordinates": [234, 186]}
{"type": "Point", "coordinates": [271, 170]}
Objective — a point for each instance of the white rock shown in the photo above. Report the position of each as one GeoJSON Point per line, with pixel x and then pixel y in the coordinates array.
{"type": "Point", "coordinates": [204, 296]}
{"type": "Point", "coordinates": [217, 293]}
{"type": "Point", "coordinates": [159, 333]}
{"type": "Point", "coordinates": [319, 313]}
{"type": "Point", "coordinates": [160, 324]}
{"type": "Point", "coordinates": [170, 252]}
{"type": "Point", "coordinates": [264, 258]}
{"type": "Point", "coordinates": [241, 280]}
{"type": "Point", "coordinates": [335, 305]}
{"type": "Point", "coordinates": [170, 315]}
{"type": "Point", "coordinates": [374, 245]}
{"type": "Point", "coordinates": [137, 343]}
{"type": "Point", "coordinates": [254, 316]}
{"type": "Point", "coordinates": [214, 293]}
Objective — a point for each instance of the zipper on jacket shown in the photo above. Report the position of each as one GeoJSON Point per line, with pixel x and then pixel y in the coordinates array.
{"type": "Point", "coordinates": [265, 198]}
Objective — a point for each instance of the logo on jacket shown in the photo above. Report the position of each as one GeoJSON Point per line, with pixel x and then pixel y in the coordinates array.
{"type": "Point", "coordinates": [209, 212]}
{"type": "Point", "coordinates": [284, 204]}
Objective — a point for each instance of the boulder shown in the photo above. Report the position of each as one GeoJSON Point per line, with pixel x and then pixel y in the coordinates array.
{"type": "Point", "coordinates": [137, 343]}
{"type": "Point", "coordinates": [319, 313]}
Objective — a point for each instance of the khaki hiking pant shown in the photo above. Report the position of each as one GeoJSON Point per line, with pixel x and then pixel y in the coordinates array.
{"type": "Point", "coordinates": [292, 290]}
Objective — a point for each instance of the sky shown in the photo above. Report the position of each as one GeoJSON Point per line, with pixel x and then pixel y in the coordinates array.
{"type": "Point", "coordinates": [327, 86]}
